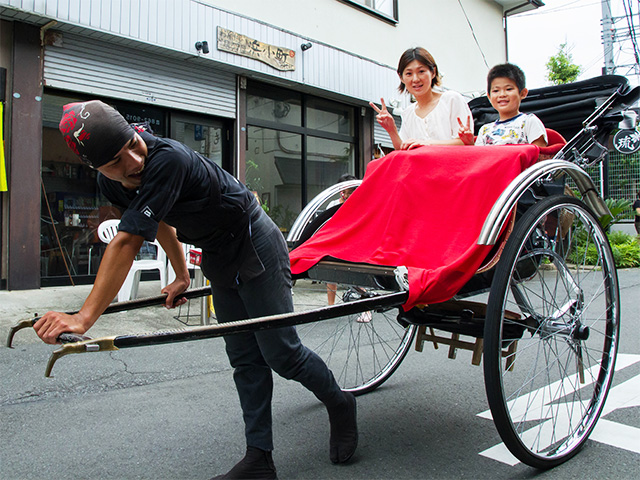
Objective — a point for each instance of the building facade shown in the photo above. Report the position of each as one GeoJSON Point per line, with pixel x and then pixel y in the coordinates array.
{"type": "Point", "coordinates": [276, 92]}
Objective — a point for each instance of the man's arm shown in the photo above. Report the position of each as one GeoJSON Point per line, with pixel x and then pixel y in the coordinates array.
{"type": "Point", "coordinates": [116, 263]}
{"type": "Point", "coordinates": [173, 248]}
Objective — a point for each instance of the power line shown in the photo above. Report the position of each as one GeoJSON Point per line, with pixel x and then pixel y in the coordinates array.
{"type": "Point", "coordinates": [623, 38]}
{"type": "Point", "coordinates": [473, 33]}
{"type": "Point", "coordinates": [561, 8]}
{"type": "Point", "coordinates": [632, 30]}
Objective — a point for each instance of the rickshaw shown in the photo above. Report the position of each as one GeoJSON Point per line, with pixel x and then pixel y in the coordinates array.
{"type": "Point", "coordinates": [542, 309]}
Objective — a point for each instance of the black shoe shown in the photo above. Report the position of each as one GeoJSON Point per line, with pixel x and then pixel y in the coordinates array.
{"type": "Point", "coordinates": [257, 464]}
{"type": "Point", "coordinates": [344, 430]}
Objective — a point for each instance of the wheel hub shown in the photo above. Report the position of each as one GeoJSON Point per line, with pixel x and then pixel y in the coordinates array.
{"type": "Point", "coordinates": [581, 332]}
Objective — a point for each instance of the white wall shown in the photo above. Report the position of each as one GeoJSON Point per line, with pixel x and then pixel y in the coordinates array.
{"type": "Point", "coordinates": [438, 25]}
{"type": "Point", "coordinates": [355, 55]}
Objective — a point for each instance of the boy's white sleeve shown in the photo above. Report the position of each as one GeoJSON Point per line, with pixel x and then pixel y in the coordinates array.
{"type": "Point", "coordinates": [534, 129]}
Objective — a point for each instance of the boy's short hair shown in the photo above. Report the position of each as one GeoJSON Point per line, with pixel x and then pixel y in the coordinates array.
{"type": "Point", "coordinates": [507, 70]}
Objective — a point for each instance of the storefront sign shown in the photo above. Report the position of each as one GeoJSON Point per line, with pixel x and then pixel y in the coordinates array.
{"type": "Point", "coordinates": [627, 141]}
{"type": "Point", "coordinates": [278, 57]}
{"type": "Point", "coordinates": [134, 113]}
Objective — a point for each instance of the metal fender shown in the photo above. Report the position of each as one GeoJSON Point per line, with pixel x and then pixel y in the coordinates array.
{"type": "Point", "coordinates": [312, 207]}
{"type": "Point", "coordinates": [544, 169]}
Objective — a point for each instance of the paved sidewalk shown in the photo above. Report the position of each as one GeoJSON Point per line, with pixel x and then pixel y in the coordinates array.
{"type": "Point", "coordinates": [18, 305]}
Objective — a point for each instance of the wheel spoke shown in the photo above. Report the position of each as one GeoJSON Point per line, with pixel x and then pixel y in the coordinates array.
{"type": "Point", "coordinates": [362, 354]}
{"type": "Point", "coordinates": [565, 289]}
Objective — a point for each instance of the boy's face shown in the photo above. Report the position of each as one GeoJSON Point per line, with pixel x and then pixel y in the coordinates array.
{"type": "Point", "coordinates": [126, 167]}
{"type": "Point", "coordinates": [505, 97]}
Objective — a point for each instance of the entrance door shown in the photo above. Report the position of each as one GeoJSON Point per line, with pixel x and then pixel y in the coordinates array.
{"type": "Point", "coordinates": [206, 135]}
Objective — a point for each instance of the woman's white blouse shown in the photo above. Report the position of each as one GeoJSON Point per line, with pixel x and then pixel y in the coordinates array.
{"type": "Point", "coordinates": [440, 124]}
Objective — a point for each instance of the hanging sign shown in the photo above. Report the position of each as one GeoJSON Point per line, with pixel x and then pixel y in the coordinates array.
{"type": "Point", "coordinates": [627, 141]}
{"type": "Point", "coordinates": [279, 58]}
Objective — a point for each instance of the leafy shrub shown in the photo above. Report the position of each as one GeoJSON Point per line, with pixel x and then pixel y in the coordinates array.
{"type": "Point", "coordinates": [625, 249]}
{"type": "Point", "coordinates": [619, 209]}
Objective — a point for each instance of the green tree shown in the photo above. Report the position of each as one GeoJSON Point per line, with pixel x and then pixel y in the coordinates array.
{"type": "Point", "coordinates": [560, 67]}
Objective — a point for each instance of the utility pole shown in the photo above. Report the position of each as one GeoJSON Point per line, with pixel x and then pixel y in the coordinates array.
{"type": "Point", "coordinates": [608, 34]}
{"type": "Point", "coordinates": [619, 32]}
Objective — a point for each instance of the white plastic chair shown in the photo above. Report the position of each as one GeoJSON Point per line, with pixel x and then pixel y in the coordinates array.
{"type": "Point", "coordinates": [197, 280]}
{"type": "Point", "coordinates": [171, 274]}
{"type": "Point", "coordinates": [106, 231]}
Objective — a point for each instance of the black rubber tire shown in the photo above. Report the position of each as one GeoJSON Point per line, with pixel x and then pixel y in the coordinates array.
{"type": "Point", "coordinates": [362, 355]}
{"type": "Point", "coordinates": [546, 406]}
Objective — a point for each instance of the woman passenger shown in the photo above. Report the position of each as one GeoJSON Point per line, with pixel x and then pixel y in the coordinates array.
{"type": "Point", "coordinates": [433, 118]}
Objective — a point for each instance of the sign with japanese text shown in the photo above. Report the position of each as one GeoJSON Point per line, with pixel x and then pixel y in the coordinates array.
{"type": "Point", "coordinates": [279, 58]}
{"type": "Point", "coordinates": [627, 141]}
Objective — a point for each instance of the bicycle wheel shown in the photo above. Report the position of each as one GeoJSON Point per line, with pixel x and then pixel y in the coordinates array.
{"type": "Point", "coordinates": [362, 350]}
{"type": "Point", "coordinates": [551, 333]}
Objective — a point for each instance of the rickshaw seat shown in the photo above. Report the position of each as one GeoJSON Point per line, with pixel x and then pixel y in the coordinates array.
{"type": "Point", "coordinates": [554, 138]}
{"type": "Point", "coordinates": [555, 142]}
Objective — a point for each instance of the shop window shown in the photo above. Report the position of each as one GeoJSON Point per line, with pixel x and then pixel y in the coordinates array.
{"type": "Point", "coordinates": [279, 106]}
{"type": "Point", "coordinates": [385, 9]}
{"type": "Point", "coordinates": [203, 135]}
{"type": "Point", "coordinates": [329, 116]}
{"type": "Point", "coordinates": [327, 161]}
{"type": "Point", "coordinates": [297, 145]}
{"type": "Point", "coordinates": [72, 206]}
{"type": "Point", "coordinates": [273, 172]}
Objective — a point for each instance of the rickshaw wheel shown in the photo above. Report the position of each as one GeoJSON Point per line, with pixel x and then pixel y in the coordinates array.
{"type": "Point", "coordinates": [362, 350]}
{"type": "Point", "coordinates": [548, 372]}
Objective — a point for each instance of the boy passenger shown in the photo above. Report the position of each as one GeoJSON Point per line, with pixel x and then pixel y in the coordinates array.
{"type": "Point", "coordinates": [506, 89]}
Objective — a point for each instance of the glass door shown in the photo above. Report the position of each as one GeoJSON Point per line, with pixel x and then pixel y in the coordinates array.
{"type": "Point", "coordinates": [206, 135]}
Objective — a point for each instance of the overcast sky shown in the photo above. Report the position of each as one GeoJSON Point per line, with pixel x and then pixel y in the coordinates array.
{"type": "Point", "coordinates": [537, 35]}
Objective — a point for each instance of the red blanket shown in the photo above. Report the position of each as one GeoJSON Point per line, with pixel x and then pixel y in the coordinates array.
{"type": "Point", "coordinates": [422, 209]}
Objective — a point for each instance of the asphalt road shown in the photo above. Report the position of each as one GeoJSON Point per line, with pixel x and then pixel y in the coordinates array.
{"type": "Point", "coordinates": [171, 412]}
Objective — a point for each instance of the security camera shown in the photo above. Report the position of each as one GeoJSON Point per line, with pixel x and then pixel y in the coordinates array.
{"type": "Point", "coordinates": [202, 46]}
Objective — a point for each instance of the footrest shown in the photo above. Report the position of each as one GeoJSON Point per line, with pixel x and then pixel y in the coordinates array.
{"type": "Point", "coordinates": [453, 319]}
{"type": "Point", "coordinates": [359, 274]}
{"type": "Point", "coordinates": [454, 343]}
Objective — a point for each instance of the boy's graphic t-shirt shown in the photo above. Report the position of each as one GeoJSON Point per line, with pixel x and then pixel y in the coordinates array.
{"type": "Point", "coordinates": [523, 128]}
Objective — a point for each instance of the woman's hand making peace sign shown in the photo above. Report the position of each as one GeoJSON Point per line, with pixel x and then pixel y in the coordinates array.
{"type": "Point", "coordinates": [384, 118]}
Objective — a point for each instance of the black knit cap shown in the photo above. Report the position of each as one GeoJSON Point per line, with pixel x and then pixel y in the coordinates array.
{"type": "Point", "coordinates": [94, 131]}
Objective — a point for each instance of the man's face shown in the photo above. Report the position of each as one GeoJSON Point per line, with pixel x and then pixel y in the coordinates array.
{"type": "Point", "coordinates": [128, 164]}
